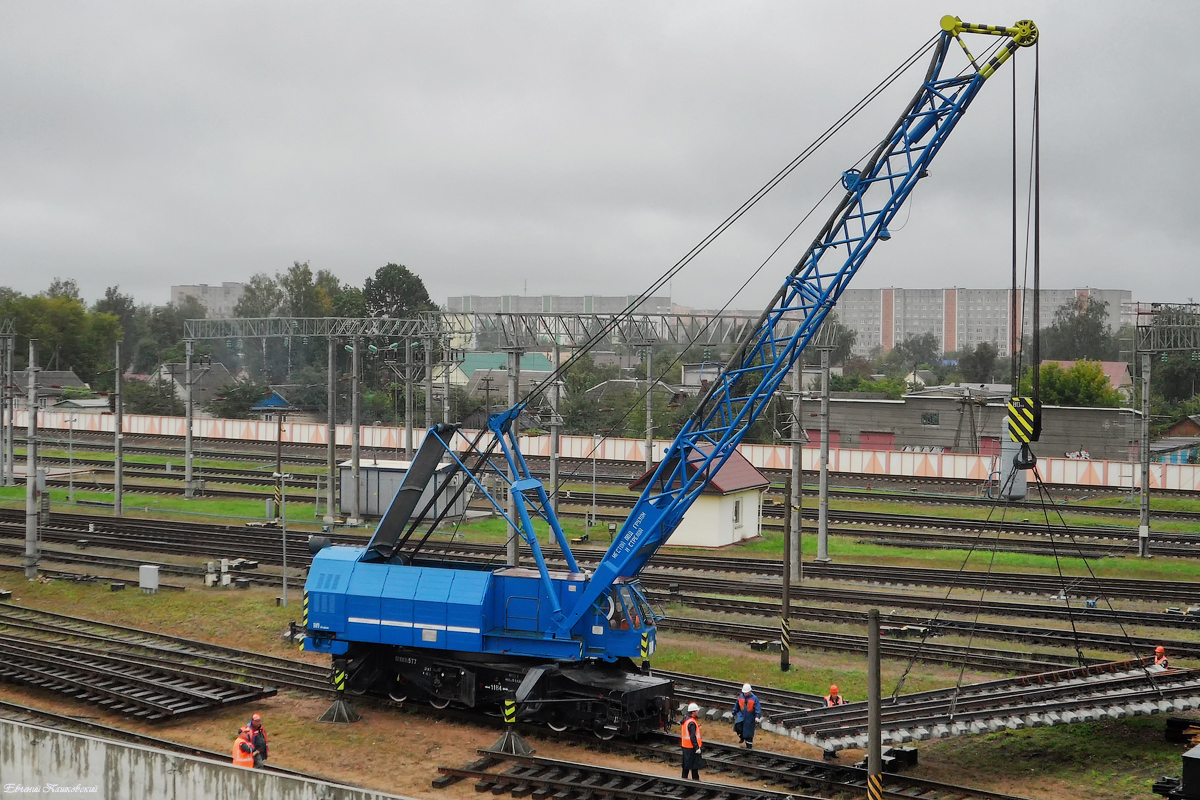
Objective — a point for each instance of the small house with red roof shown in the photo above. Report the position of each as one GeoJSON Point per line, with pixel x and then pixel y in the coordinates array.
{"type": "Point", "coordinates": [728, 511]}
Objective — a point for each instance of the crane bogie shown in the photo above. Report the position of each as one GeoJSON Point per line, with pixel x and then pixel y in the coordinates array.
{"type": "Point", "coordinates": [563, 644]}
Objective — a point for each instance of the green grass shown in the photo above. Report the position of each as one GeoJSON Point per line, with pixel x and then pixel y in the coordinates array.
{"type": "Point", "coordinates": [810, 673]}
{"type": "Point", "coordinates": [164, 506]}
{"type": "Point", "coordinates": [847, 549]}
{"type": "Point", "coordinates": [1113, 759]}
{"type": "Point", "coordinates": [239, 618]}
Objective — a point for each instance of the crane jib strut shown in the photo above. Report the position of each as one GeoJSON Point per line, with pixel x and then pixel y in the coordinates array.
{"type": "Point", "coordinates": [873, 196]}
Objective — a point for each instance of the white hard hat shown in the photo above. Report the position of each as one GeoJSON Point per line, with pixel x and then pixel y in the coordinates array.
{"type": "Point", "coordinates": [693, 707]}
{"type": "Point", "coordinates": [745, 688]}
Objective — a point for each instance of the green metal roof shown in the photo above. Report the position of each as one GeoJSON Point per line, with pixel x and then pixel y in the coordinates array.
{"type": "Point", "coordinates": [530, 361]}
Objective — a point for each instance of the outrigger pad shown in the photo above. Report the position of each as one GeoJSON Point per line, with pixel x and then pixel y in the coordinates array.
{"type": "Point", "coordinates": [340, 713]}
{"type": "Point", "coordinates": [513, 744]}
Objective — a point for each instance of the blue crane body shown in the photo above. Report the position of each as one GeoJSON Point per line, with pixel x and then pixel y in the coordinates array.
{"type": "Point", "coordinates": [564, 642]}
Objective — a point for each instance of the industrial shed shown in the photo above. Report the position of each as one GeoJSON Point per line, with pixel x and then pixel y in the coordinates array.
{"type": "Point", "coordinates": [728, 511]}
{"type": "Point", "coordinates": [380, 480]}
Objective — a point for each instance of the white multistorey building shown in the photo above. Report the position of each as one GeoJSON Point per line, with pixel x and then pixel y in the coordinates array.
{"type": "Point", "coordinates": [959, 318]}
{"type": "Point", "coordinates": [555, 304]}
{"type": "Point", "coordinates": [218, 300]}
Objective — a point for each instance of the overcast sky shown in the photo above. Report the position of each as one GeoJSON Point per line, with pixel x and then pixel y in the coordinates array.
{"type": "Point", "coordinates": [567, 147]}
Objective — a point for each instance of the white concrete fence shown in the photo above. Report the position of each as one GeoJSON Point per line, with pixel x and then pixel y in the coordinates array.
{"type": "Point", "coordinates": [36, 761]}
{"type": "Point", "coordinates": [893, 463]}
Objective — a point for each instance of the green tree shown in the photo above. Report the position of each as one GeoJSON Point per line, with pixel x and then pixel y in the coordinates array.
{"type": "Point", "coordinates": [1084, 384]}
{"type": "Point", "coordinates": [69, 335]}
{"type": "Point", "coordinates": [978, 365]}
{"type": "Point", "coordinates": [160, 331]}
{"type": "Point", "coordinates": [154, 396]}
{"type": "Point", "coordinates": [397, 292]}
{"type": "Point", "coordinates": [301, 295]}
{"type": "Point", "coordinates": [1080, 331]}
{"type": "Point", "coordinates": [262, 297]}
{"type": "Point", "coordinates": [841, 337]}
{"type": "Point", "coordinates": [350, 303]}
{"type": "Point", "coordinates": [235, 400]}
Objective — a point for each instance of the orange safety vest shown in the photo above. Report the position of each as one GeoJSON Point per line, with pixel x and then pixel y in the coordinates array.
{"type": "Point", "coordinates": [240, 757]}
{"type": "Point", "coordinates": [685, 738]}
{"type": "Point", "coordinates": [834, 700]}
{"type": "Point", "coordinates": [741, 703]}
{"type": "Point", "coordinates": [1161, 661]}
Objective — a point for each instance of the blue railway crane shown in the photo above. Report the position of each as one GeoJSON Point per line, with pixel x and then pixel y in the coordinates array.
{"type": "Point", "coordinates": [565, 643]}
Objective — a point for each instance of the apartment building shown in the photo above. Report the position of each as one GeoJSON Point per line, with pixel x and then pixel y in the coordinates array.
{"type": "Point", "coordinates": [218, 300]}
{"type": "Point", "coordinates": [960, 318]}
{"type": "Point", "coordinates": [553, 303]}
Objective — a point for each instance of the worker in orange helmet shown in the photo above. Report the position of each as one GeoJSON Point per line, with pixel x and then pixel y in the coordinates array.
{"type": "Point", "coordinates": [258, 738]}
{"type": "Point", "coordinates": [834, 698]}
{"type": "Point", "coordinates": [691, 742]}
{"type": "Point", "coordinates": [243, 749]}
{"type": "Point", "coordinates": [1160, 657]}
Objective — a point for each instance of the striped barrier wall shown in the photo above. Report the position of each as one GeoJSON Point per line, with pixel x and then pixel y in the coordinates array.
{"type": "Point", "coordinates": [893, 463]}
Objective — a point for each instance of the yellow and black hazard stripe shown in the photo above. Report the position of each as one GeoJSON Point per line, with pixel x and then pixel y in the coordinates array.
{"type": "Point", "coordinates": [510, 710]}
{"type": "Point", "coordinates": [1021, 420]}
{"type": "Point", "coordinates": [339, 679]}
{"type": "Point", "coordinates": [304, 619]}
{"type": "Point", "coordinates": [278, 500]}
{"type": "Point", "coordinates": [645, 645]}
{"type": "Point", "coordinates": [785, 634]}
{"type": "Point", "coordinates": [874, 787]}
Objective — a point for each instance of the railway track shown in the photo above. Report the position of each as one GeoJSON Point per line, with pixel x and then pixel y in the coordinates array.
{"type": "Point", "coordinates": [797, 778]}
{"type": "Point", "coordinates": [1009, 582]}
{"type": "Point", "coordinates": [905, 625]}
{"type": "Point", "coordinates": [796, 774]}
{"type": "Point", "coordinates": [579, 469]}
{"type": "Point", "coordinates": [209, 540]}
{"type": "Point", "coordinates": [1105, 691]}
{"type": "Point", "coordinates": [941, 653]}
{"type": "Point", "coordinates": [149, 647]}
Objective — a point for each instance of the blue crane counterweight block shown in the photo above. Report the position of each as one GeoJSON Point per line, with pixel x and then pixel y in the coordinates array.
{"type": "Point", "coordinates": [506, 612]}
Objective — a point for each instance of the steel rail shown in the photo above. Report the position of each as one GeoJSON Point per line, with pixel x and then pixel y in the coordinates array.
{"type": "Point", "coordinates": [941, 653]}
{"type": "Point", "coordinates": [935, 626]}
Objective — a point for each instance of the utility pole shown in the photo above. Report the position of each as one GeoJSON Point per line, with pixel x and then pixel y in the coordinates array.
{"type": "Point", "coordinates": [555, 431]}
{"type": "Point", "coordinates": [188, 490]}
{"type": "Point", "coordinates": [649, 406]}
{"type": "Point", "coordinates": [1144, 521]}
{"type": "Point", "coordinates": [32, 495]}
{"type": "Point", "coordinates": [279, 469]}
{"type": "Point", "coordinates": [785, 623]}
{"type": "Point", "coordinates": [331, 434]}
{"type": "Point", "coordinates": [823, 506]}
{"type": "Point", "coordinates": [447, 362]}
{"type": "Point", "coordinates": [428, 382]}
{"type": "Point", "coordinates": [279, 476]}
{"type": "Point", "coordinates": [10, 425]}
{"type": "Point", "coordinates": [118, 438]}
{"type": "Point", "coordinates": [355, 433]}
{"type": "Point", "coordinates": [796, 485]}
{"type": "Point", "coordinates": [514, 392]}
{"type": "Point", "coordinates": [874, 711]}
{"type": "Point", "coordinates": [408, 400]}
{"type": "Point", "coordinates": [5, 411]}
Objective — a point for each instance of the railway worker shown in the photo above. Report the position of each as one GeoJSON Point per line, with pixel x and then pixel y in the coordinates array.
{"type": "Point", "coordinates": [243, 750]}
{"type": "Point", "coordinates": [258, 738]}
{"type": "Point", "coordinates": [1160, 658]}
{"type": "Point", "coordinates": [747, 712]}
{"type": "Point", "coordinates": [691, 743]}
{"type": "Point", "coordinates": [834, 698]}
